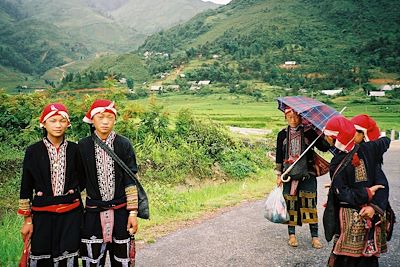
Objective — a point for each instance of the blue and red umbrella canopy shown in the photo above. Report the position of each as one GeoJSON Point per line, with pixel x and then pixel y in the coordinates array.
{"type": "Point", "coordinates": [310, 110]}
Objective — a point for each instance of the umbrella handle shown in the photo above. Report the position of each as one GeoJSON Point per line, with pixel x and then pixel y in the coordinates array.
{"type": "Point", "coordinates": [285, 175]}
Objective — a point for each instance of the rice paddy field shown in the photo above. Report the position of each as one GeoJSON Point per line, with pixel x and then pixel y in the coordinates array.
{"type": "Point", "coordinates": [245, 111]}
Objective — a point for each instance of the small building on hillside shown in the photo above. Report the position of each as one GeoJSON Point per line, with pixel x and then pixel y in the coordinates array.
{"type": "Point", "coordinates": [290, 63]}
{"type": "Point", "coordinates": [388, 87]}
{"type": "Point", "coordinates": [204, 83]}
{"type": "Point", "coordinates": [332, 92]}
{"type": "Point", "coordinates": [377, 93]}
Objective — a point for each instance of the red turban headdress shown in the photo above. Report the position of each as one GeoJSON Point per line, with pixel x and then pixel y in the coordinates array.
{"type": "Point", "coordinates": [51, 110]}
{"type": "Point", "coordinates": [100, 106]}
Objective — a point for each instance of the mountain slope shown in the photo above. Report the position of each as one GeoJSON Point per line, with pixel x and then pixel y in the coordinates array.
{"type": "Point", "coordinates": [113, 25]}
{"type": "Point", "coordinates": [292, 20]}
{"type": "Point", "coordinates": [36, 35]}
{"type": "Point", "coordinates": [84, 23]}
{"type": "Point", "coordinates": [155, 15]}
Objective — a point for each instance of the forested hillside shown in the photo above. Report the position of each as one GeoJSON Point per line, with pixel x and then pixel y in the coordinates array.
{"type": "Point", "coordinates": [333, 43]}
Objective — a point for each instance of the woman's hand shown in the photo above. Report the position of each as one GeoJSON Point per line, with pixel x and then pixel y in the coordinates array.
{"type": "Point", "coordinates": [132, 225]}
{"type": "Point", "coordinates": [278, 180]}
{"type": "Point", "coordinates": [375, 188]}
{"type": "Point", "coordinates": [27, 228]}
{"type": "Point", "coordinates": [367, 212]}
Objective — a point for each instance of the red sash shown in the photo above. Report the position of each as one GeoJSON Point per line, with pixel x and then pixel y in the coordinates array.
{"type": "Point", "coordinates": [59, 208]}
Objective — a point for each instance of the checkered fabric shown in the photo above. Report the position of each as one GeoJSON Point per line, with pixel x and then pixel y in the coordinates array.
{"type": "Point", "coordinates": [311, 111]}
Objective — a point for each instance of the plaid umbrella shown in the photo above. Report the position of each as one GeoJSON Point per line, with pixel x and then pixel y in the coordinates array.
{"type": "Point", "coordinates": [311, 111]}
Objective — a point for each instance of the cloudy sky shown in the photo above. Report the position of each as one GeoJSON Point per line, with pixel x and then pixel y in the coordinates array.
{"type": "Point", "coordinates": [218, 1]}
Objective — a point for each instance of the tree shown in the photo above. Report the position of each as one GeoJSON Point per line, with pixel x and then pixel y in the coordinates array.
{"type": "Point", "coordinates": [129, 83]}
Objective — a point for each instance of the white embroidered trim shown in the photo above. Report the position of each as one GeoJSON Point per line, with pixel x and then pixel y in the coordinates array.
{"type": "Point", "coordinates": [60, 258]}
{"type": "Point", "coordinates": [58, 166]}
{"type": "Point", "coordinates": [95, 261]}
{"type": "Point", "coordinates": [40, 257]}
{"type": "Point", "coordinates": [89, 258]}
{"type": "Point", "coordinates": [121, 241]}
{"type": "Point", "coordinates": [105, 169]}
{"type": "Point", "coordinates": [92, 241]}
{"type": "Point", "coordinates": [121, 259]}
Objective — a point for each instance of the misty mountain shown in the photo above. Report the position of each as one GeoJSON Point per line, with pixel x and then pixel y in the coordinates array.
{"type": "Point", "coordinates": [36, 35]}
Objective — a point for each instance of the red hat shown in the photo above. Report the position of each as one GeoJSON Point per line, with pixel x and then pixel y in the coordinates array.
{"type": "Point", "coordinates": [54, 109]}
{"type": "Point", "coordinates": [343, 131]}
{"type": "Point", "coordinates": [366, 124]}
{"type": "Point", "coordinates": [100, 106]}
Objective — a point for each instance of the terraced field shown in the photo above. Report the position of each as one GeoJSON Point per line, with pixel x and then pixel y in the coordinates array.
{"type": "Point", "coordinates": [244, 111]}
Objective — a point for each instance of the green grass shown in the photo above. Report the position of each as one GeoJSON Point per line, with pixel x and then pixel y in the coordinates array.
{"type": "Point", "coordinates": [10, 239]}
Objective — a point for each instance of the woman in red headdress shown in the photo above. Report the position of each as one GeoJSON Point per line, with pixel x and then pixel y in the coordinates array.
{"type": "Point", "coordinates": [110, 218]}
{"type": "Point", "coordinates": [358, 239]}
{"type": "Point", "coordinates": [50, 195]}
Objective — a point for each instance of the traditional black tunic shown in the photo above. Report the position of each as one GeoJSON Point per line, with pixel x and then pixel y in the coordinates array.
{"type": "Point", "coordinates": [93, 246]}
{"type": "Point", "coordinates": [355, 244]}
{"type": "Point", "coordinates": [302, 205]}
{"type": "Point", "coordinates": [56, 236]}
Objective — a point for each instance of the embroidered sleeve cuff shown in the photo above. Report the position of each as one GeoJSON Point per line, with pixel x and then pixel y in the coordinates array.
{"type": "Point", "coordinates": [131, 198]}
{"type": "Point", "coordinates": [24, 207]}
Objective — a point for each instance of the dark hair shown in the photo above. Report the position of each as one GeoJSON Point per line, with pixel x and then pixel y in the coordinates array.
{"type": "Point", "coordinates": [92, 129]}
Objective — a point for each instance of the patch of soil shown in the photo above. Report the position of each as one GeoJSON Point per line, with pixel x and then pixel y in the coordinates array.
{"type": "Point", "coordinates": [382, 81]}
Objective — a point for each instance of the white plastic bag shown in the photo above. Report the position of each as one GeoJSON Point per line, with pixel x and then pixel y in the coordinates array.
{"type": "Point", "coordinates": [275, 207]}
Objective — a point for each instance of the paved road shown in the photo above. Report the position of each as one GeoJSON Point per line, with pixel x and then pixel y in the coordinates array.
{"type": "Point", "coordinates": [242, 237]}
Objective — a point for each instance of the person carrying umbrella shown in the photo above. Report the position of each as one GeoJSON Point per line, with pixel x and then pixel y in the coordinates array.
{"type": "Point", "coordinates": [358, 235]}
{"type": "Point", "coordinates": [300, 192]}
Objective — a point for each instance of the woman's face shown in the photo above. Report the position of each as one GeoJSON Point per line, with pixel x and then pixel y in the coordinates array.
{"type": "Point", "coordinates": [104, 122]}
{"type": "Point", "coordinates": [330, 140]}
{"type": "Point", "coordinates": [293, 119]}
{"type": "Point", "coordinates": [56, 126]}
{"type": "Point", "coordinates": [359, 137]}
